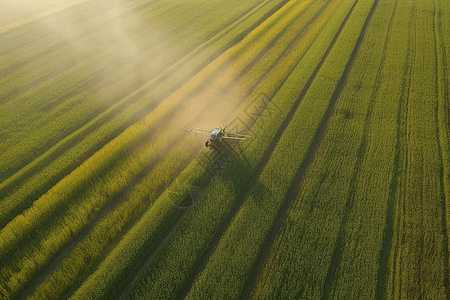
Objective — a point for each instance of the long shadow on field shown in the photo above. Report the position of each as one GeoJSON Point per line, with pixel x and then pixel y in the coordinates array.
{"type": "Point", "coordinates": [337, 253]}
{"type": "Point", "coordinates": [380, 292]}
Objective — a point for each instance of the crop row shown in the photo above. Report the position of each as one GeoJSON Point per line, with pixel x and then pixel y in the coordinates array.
{"type": "Point", "coordinates": [104, 270]}
{"type": "Point", "coordinates": [420, 258]}
{"type": "Point", "coordinates": [443, 53]}
{"type": "Point", "coordinates": [132, 133]}
{"type": "Point", "coordinates": [321, 233]}
{"type": "Point", "coordinates": [63, 212]}
{"type": "Point", "coordinates": [328, 230]}
{"type": "Point", "coordinates": [126, 256]}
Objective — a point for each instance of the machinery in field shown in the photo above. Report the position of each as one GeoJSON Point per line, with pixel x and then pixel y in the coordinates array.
{"type": "Point", "coordinates": [216, 135]}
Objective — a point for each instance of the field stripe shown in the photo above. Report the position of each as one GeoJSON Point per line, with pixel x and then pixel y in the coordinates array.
{"type": "Point", "coordinates": [116, 217]}
{"type": "Point", "coordinates": [443, 132]}
{"type": "Point", "coordinates": [151, 86]}
{"type": "Point", "coordinates": [87, 84]}
{"type": "Point", "coordinates": [178, 108]}
{"type": "Point", "coordinates": [301, 171]}
{"type": "Point", "coordinates": [92, 82]}
{"type": "Point", "coordinates": [48, 12]}
{"type": "Point", "coordinates": [394, 280]}
{"type": "Point", "coordinates": [390, 207]}
{"type": "Point", "coordinates": [198, 113]}
{"type": "Point", "coordinates": [420, 262]}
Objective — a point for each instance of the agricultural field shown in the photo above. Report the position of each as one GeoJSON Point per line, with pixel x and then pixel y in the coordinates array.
{"type": "Point", "coordinates": [342, 191]}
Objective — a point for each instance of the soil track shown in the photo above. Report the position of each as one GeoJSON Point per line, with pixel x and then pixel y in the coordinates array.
{"type": "Point", "coordinates": [401, 142]}
{"type": "Point", "coordinates": [442, 148]}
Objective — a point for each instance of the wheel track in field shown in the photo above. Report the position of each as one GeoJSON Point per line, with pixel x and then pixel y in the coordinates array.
{"type": "Point", "coordinates": [383, 261]}
{"type": "Point", "coordinates": [65, 251]}
{"type": "Point", "coordinates": [403, 153]}
{"type": "Point", "coordinates": [252, 181]}
{"type": "Point", "coordinates": [7, 190]}
{"type": "Point", "coordinates": [437, 29]}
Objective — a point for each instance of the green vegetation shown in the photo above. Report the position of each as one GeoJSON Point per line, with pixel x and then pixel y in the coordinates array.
{"type": "Point", "coordinates": [106, 281]}
{"type": "Point", "coordinates": [342, 192]}
{"type": "Point", "coordinates": [93, 246]}
{"type": "Point", "coordinates": [422, 197]}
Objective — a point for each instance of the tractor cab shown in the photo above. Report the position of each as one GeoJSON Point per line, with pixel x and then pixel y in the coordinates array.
{"type": "Point", "coordinates": [214, 135]}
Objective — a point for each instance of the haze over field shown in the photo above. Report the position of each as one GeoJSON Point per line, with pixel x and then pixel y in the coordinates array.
{"type": "Point", "coordinates": [16, 13]}
{"type": "Point", "coordinates": [342, 191]}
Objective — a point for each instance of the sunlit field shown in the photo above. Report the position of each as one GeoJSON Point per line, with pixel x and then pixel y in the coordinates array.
{"type": "Point", "coordinates": [342, 190]}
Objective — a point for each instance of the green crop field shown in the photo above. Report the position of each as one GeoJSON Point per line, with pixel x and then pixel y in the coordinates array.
{"type": "Point", "coordinates": [342, 191]}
